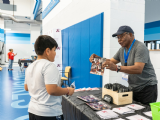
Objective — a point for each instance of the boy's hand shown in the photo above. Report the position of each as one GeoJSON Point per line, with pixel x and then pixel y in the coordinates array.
{"type": "Point", "coordinates": [71, 91]}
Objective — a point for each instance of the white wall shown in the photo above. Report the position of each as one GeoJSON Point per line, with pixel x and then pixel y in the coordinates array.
{"type": "Point", "coordinates": [116, 13]}
{"type": "Point", "coordinates": [35, 32]}
{"type": "Point", "coordinates": [23, 8]}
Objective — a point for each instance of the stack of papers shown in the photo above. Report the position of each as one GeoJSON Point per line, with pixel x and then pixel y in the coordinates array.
{"type": "Point", "coordinates": [135, 106]}
{"type": "Point", "coordinates": [123, 110]}
{"type": "Point", "coordinates": [99, 105]}
{"type": "Point", "coordinates": [85, 89]}
{"type": "Point", "coordinates": [89, 98]}
{"type": "Point", "coordinates": [106, 114]}
{"type": "Point", "coordinates": [137, 117]}
{"type": "Point", "coordinates": [149, 113]}
{"type": "Point", "coordinates": [119, 119]}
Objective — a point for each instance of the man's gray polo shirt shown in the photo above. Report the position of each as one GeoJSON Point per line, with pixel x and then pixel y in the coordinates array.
{"type": "Point", "coordinates": [138, 53]}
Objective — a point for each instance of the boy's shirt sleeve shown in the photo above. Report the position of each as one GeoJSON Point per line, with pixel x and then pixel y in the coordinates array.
{"type": "Point", "coordinates": [51, 74]}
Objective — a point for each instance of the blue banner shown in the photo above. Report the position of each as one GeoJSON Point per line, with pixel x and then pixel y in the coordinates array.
{"type": "Point", "coordinates": [17, 38]}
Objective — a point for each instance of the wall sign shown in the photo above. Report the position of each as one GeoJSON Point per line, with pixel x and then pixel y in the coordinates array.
{"type": "Point", "coordinates": [51, 5]}
{"type": "Point", "coordinates": [56, 34]}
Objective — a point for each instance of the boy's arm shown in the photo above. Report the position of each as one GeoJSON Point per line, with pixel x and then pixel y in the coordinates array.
{"type": "Point", "coordinates": [55, 90]}
{"type": "Point", "coordinates": [51, 81]}
{"type": "Point", "coordinates": [26, 87]}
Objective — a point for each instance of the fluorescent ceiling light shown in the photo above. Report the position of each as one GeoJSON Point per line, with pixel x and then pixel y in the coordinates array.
{"type": "Point", "coordinates": [7, 29]}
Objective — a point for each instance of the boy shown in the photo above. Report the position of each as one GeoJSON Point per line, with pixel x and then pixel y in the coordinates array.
{"type": "Point", "coordinates": [43, 80]}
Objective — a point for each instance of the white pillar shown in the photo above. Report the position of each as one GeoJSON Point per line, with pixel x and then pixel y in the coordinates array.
{"type": "Point", "coordinates": [2, 56]}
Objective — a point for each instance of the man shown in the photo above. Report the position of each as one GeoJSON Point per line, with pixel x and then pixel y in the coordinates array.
{"type": "Point", "coordinates": [136, 66]}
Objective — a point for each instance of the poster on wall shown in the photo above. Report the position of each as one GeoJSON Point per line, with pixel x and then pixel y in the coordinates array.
{"type": "Point", "coordinates": [56, 34]}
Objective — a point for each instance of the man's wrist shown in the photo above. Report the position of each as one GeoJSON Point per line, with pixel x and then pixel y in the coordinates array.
{"type": "Point", "coordinates": [118, 68]}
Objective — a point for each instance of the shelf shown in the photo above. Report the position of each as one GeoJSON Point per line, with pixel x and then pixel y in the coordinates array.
{"type": "Point", "coordinates": [155, 50]}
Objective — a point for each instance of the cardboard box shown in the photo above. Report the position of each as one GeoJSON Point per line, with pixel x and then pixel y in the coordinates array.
{"type": "Point", "coordinates": [118, 98]}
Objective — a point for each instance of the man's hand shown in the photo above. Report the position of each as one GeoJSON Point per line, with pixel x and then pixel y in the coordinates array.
{"type": "Point", "coordinates": [109, 65]}
{"type": "Point", "coordinates": [8, 59]}
{"type": "Point", "coordinates": [92, 57]}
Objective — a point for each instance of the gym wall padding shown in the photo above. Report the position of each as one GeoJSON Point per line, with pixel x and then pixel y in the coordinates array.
{"type": "Point", "coordinates": [85, 43]}
{"type": "Point", "coordinates": [79, 42]}
{"type": "Point", "coordinates": [65, 49]}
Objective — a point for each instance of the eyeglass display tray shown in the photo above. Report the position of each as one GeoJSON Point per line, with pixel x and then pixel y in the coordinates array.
{"type": "Point", "coordinates": [119, 98]}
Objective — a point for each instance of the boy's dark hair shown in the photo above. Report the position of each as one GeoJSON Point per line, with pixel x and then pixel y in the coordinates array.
{"type": "Point", "coordinates": [43, 42]}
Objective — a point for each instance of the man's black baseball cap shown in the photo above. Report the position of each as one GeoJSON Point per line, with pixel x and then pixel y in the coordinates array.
{"type": "Point", "coordinates": [123, 29]}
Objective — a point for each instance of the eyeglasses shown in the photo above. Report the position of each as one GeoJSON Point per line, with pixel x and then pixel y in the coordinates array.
{"type": "Point", "coordinates": [121, 36]}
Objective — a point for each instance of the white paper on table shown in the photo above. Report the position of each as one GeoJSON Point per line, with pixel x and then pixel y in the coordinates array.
{"type": "Point", "coordinates": [106, 117]}
{"type": "Point", "coordinates": [149, 113]}
{"type": "Point", "coordinates": [123, 110]}
{"type": "Point", "coordinates": [135, 106]}
{"type": "Point", "coordinates": [119, 119]}
{"type": "Point", "coordinates": [88, 88]}
{"type": "Point", "coordinates": [85, 89]}
{"type": "Point", "coordinates": [95, 88]}
{"type": "Point", "coordinates": [107, 114]}
{"type": "Point", "coordinates": [137, 117]}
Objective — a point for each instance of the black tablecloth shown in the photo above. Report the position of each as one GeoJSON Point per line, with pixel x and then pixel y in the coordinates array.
{"type": "Point", "coordinates": [76, 109]}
